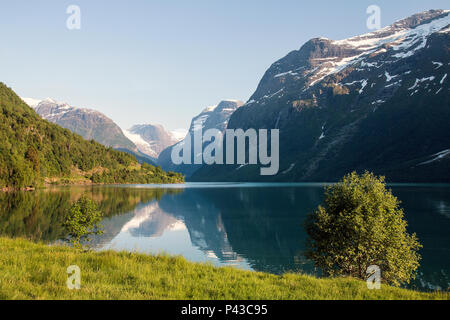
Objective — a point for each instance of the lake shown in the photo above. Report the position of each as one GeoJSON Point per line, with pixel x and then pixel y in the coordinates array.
{"type": "Point", "coordinates": [252, 226]}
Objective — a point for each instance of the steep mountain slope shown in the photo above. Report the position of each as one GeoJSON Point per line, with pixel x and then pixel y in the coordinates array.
{"type": "Point", "coordinates": [379, 102]}
{"type": "Point", "coordinates": [151, 139]}
{"type": "Point", "coordinates": [34, 151]}
{"type": "Point", "coordinates": [90, 124]}
{"type": "Point", "coordinates": [140, 157]}
{"type": "Point", "coordinates": [213, 117]}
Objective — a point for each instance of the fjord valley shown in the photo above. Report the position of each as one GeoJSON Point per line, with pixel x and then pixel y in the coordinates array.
{"type": "Point", "coordinates": [35, 152]}
{"type": "Point", "coordinates": [377, 101]}
{"type": "Point", "coordinates": [212, 117]}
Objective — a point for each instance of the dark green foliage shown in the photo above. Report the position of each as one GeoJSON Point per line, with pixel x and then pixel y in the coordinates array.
{"type": "Point", "coordinates": [32, 149]}
{"type": "Point", "coordinates": [147, 174]}
{"type": "Point", "coordinates": [82, 221]}
{"type": "Point", "coordinates": [141, 158]}
{"type": "Point", "coordinates": [361, 224]}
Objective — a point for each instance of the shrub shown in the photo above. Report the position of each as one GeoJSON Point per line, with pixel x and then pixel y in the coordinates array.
{"type": "Point", "coordinates": [82, 221]}
{"type": "Point", "coordinates": [361, 224]}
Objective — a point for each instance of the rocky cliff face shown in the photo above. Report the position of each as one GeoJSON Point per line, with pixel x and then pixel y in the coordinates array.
{"type": "Point", "coordinates": [378, 102]}
{"type": "Point", "coordinates": [90, 124]}
{"type": "Point", "coordinates": [213, 117]}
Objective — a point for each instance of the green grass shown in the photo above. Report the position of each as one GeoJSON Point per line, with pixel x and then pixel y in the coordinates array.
{"type": "Point", "coordinates": [38, 271]}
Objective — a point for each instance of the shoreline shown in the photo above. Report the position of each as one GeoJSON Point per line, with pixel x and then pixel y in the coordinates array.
{"type": "Point", "coordinates": [268, 184]}
{"type": "Point", "coordinates": [50, 185]}
{"type": "Point", "coordinates": [129, 276]}
{"type": "Point", "coordinates": [9, 189]}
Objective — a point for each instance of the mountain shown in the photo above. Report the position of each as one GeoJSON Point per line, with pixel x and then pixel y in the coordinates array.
{"type": "Point", "coordinates": [152, 139]}
{"type": "Point", "coordinates": [378, 102]}
{"type": "Point", "coordinates": [32, 102]}
{"type": "Point", "coordinates": [178, 134]}
{"type": "Point", "coordinates": [90, 124]}
{"type": "Point", "coordinates": [140, 157]}
{"type": "Point", "coordinates": [213, 117]}
{"type": "Point", "coordinates": [34, 151]}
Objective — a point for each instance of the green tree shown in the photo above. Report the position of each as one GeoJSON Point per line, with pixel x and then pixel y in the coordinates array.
{"type": "Point", "coordinates": [82, 221]}
{"type": "Point", "coordinates": [33, 156]}
{"type": "Point", "coordinates": [361, 224]}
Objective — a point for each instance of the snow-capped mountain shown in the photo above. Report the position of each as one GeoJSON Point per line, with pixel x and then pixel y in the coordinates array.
{"type": "Point", "coordinates": [152, 139]}
{"type": "Point", "coordinates": [90, 124]}
{"type": "Point", "coordinates": [178, 134]}
{"type": "Point", "coordinates": [378, 101]}
{"type": "Point", "coordinates": [212, 117]}
{"type": "Point", "coordinates": [216, 116]}
{"type": "Point", "coordinates": [32, 102]}
{"type": "Point", "coordinates": [322, 58]}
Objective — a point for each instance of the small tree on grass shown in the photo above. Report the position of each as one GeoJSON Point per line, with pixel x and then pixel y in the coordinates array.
{"type": "Point", "coordinates": [82, 221]}
{"type": "Point", "coordinates": [361, 224]}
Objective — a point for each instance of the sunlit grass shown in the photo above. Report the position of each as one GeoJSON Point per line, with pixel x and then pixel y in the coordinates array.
{"type": "Point", "coordinates": [38, 271]}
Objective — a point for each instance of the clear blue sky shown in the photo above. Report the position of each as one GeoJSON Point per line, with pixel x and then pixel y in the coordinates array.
{"type": "Point", "coordinates": [164, 61]}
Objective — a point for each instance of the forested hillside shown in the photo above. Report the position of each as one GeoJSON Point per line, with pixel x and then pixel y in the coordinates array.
{"type": "Point", "coordinates": [34, 151]}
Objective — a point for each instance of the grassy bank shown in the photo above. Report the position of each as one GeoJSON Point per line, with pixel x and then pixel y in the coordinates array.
{"type": "Point", "coordinates": [38, 271]}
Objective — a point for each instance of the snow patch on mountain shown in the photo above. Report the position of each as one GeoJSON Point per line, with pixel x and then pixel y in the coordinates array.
{"type": "Point", "coordinates": [437, 64]}
{"type": "Point", "coordinates": [31, 102]}
{"type": "Point", "coordinates": [289, 169]}
{"type": "Point", "coordinates": [418, 81]}
{"type": "Point", "coordinates": [51, 109]}
{"type": "Point", "coordinates": [399, 37]}
{"type": "Point", "coordinates": [436, 157]}
{"type": "Point", "coordinates": [152, 139]}
{"type": "Point", "coordinates": [210, 108]}
{"type": "Point", "coordinates": [178, 134]}
{"type": "Point", "coordinates": [142, 145]}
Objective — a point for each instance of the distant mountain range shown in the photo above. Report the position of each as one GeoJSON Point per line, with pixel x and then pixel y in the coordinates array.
{"type": "Point", "coordinates": [88, 123]}
{"type": "Point", "coordinates": [378, 102]}
{"type": "Point", "coordinates": [153, 139]}
{"type": "Point", "coordinates": [145, 142]}
{"type": "Point", "coordinates": [150, 143]}
{"type": "Point", "coordinates": [213, 117]}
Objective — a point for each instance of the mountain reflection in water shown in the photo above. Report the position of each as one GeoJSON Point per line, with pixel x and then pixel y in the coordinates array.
{"type": "Point", "coordinates": [251, 226]}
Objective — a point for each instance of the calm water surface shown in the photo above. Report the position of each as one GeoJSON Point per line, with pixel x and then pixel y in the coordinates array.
{"type": "Point", "coordinates": [251, 226]}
